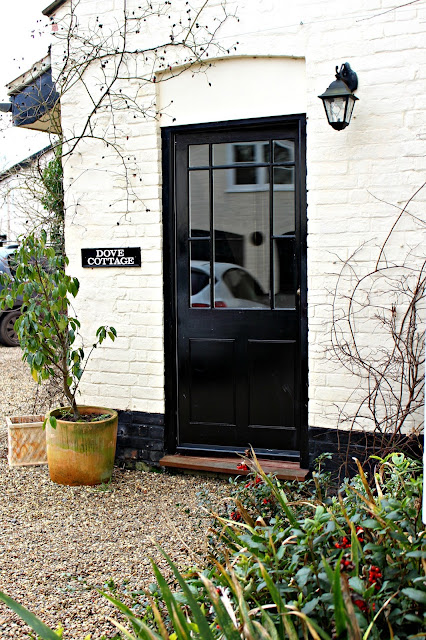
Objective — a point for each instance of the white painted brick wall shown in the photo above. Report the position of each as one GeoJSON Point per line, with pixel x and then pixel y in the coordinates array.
{"type": "Point", "coordinates": [356, 181]}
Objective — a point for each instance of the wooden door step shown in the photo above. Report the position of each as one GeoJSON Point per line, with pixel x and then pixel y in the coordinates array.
{"type": "Point", "coordinates": [282, 469]}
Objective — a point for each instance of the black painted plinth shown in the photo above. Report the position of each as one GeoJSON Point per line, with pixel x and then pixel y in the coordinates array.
{"type": "Point", "coordinates": [346, 445]}
{"type": "Point", "coordinates": [140, 437]}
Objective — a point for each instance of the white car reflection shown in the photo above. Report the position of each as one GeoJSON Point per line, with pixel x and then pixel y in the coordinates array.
{"type": "Point", "coordinates": [234, 287]}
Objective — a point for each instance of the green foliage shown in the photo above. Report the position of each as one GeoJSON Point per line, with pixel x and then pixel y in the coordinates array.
{"type": "Point", "coordinates": [53, 197]}
{"type": "Point", "coordinates": [291, 561]}
{"type": "Point", "coordinates": [350, 567]}
{"type": "Point", "coordinates": [30, 619]}
{"type": "Point", "coordinates": [48, 333]}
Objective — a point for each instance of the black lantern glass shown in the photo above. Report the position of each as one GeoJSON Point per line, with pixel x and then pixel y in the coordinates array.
{"type": "Point", "coordinates": [338, 100]}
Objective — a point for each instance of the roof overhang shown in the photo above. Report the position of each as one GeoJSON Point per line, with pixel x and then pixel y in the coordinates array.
{"type": "Point", "coordinates": [52, 7]}
{"type": "Point", "coordinates": [34, 99]}
{"type": "Point", "coordinates": [22, 81]}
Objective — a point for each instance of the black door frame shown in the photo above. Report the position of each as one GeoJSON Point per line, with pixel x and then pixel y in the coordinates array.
{"type": "Point", "coordinates": [169, 275]}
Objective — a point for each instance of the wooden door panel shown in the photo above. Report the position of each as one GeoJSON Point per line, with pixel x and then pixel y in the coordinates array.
{"type": "Point", "coordinates": [212, 384]}
{"type": "Point", "coordinates": [271, 385]}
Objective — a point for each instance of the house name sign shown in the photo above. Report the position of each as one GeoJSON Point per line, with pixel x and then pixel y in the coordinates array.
{"type": "Point", "coordinates": [127, 257]}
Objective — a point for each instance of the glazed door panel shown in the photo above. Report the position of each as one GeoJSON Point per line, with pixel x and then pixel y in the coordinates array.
{"type": "Point", "coordinates": [240, 288]}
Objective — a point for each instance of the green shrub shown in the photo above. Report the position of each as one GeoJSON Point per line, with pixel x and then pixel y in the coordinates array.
{"type": "Point", "coordinates": [364, 548]}
{"type": "Point", "coordinates": [48, 333]}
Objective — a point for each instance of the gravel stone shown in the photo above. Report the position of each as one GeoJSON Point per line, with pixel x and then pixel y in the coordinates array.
{"type": "Point", "coordinates": [60, 543]}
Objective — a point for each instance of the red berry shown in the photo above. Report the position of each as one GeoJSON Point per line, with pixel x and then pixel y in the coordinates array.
{"type": "Point", "coordinates": [345, 543]}
{"type": "Point", "coordinates": [360, 534]}
{"type": "Point", "coordinates": [242, 466]}
{"type": "Point", "coordinates": [361, 605]}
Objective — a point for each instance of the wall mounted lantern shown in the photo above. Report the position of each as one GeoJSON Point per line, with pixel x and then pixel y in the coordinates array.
{"type": "Point", "coordinates": [339, 101]}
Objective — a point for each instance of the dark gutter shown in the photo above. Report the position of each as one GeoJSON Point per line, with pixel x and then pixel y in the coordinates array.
{"type": "Point", "coordinates": [52, 7]}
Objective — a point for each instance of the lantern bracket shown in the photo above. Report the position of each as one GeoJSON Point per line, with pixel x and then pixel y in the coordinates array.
{"type": "Point", "coordinates": [348, 76]}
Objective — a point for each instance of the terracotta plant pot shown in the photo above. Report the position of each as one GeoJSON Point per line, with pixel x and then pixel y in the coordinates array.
{"type": "Point", "coordinates": [81, 453]}
{"type": "Point", "coordinates": [26, 441]}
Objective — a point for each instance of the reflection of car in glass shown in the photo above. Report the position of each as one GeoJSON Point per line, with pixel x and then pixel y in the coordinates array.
{"type": "Point", "coordinates": [234, 287]}
{"type": "Point", "coordinates": [8, 317]}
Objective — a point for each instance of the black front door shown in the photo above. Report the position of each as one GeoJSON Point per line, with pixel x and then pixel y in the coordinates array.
{"type": "Point", "coordinates": [240, 292]}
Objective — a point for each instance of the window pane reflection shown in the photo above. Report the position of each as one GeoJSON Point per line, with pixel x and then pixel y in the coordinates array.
{"type": "Point", "coordinates": [246, 175]}
{"type": "Point", "coordinates": [285, 273]}
{"type": "Point", "coordinates": [198, 155]}
{"type": "Point", "coordinates": [283, 150]}
{"type": "Point", "coordinates": [199, 251]}
{"type": "Point", "coordinates": [241, 229]}
{"type": "Point", "coordinates": [199, 219]}
{"type": "Point", "coordinates": [240, 152]}
{"type": "Point", "coordinates": [284, 204]}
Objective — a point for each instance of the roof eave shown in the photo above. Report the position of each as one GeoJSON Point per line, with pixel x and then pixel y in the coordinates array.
{"type": "Point", "coordinates": [52, 7]}
{"type": "Point", "coordinates": [26, 78]}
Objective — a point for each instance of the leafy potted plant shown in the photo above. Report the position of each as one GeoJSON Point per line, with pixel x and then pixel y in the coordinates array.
{"type": "Point", "coordinates": [80, 440]}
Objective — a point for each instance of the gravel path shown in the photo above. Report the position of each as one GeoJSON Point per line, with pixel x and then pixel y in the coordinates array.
{"type": "Point", "coordinates": [58, 543]}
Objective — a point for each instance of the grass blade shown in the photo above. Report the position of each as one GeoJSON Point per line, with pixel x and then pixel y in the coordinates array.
{"type": "Point", "coordinates": [124, 631]}
{"type": "Point", "coordinates": [29, 618]}
{"type": "Point", "coordinates": [336, 589]}
{"type": "Point", "coordinates": [199, 617]}
{"type": "Point", "coordinates": [179, 621]}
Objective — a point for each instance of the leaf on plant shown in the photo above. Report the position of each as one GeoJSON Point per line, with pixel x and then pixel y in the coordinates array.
{"type": "Point", "coordinates": [357, 585]}
{"type": "Point", "coordinates": [29, 618]}
{"type": "Point", "coordinates": [416, 554]}
{"type": "Point", "coordinates": [310, 606]}
{"type": "Point", "coordinates": [370, 524]}
{"type": "Point", "coordinates": [62, 288]}
{"type": "Point", "coordinates": [302, 576]}
{"type": "Point", "coordinates": [415, 594]}
{"type": "Point", "coordinates": [52, 421]}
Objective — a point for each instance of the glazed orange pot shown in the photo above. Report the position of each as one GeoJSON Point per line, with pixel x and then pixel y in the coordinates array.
{"type": "Point", "coordinates": [81, 453]}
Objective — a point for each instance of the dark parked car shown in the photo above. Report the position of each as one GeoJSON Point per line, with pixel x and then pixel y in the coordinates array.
{"type": "Point", "coordinates": [8, 317]}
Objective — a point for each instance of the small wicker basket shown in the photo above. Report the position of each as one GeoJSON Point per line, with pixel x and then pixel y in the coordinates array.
{"type": "Point", "coordinates": [26, 441]}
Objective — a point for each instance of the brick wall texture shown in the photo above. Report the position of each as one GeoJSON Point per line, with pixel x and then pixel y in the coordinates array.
{"type": "Point", "coordinates": [357, 179]}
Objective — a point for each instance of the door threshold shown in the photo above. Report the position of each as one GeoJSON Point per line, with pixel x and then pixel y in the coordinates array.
{"type": "Point", "coordinates": [282, 469]}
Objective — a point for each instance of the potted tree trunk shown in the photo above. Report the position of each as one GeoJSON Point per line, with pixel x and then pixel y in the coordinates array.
{"type": "Point", "coordinates": [80, 440]}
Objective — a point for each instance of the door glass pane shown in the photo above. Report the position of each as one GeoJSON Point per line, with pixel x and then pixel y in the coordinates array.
{"type": "Point", "coordinates": [285, 273]}
{"type": "Point", "coordinates": [199, 273]}
{"type": "Point", "coordinates": [237, 153]}
{"type": "Point", "coordinates": [283, 150]}
{"type": "Point", "coordinates": [198, 155]}
{"type": "Point", "coordinates": [199, 219]}
{"type": "Point", "coordinates": [241, 232]}
{"type": "Point", "coordinates": [222, 154]}
{"type": "Point", "coordinates": [284, 217]}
